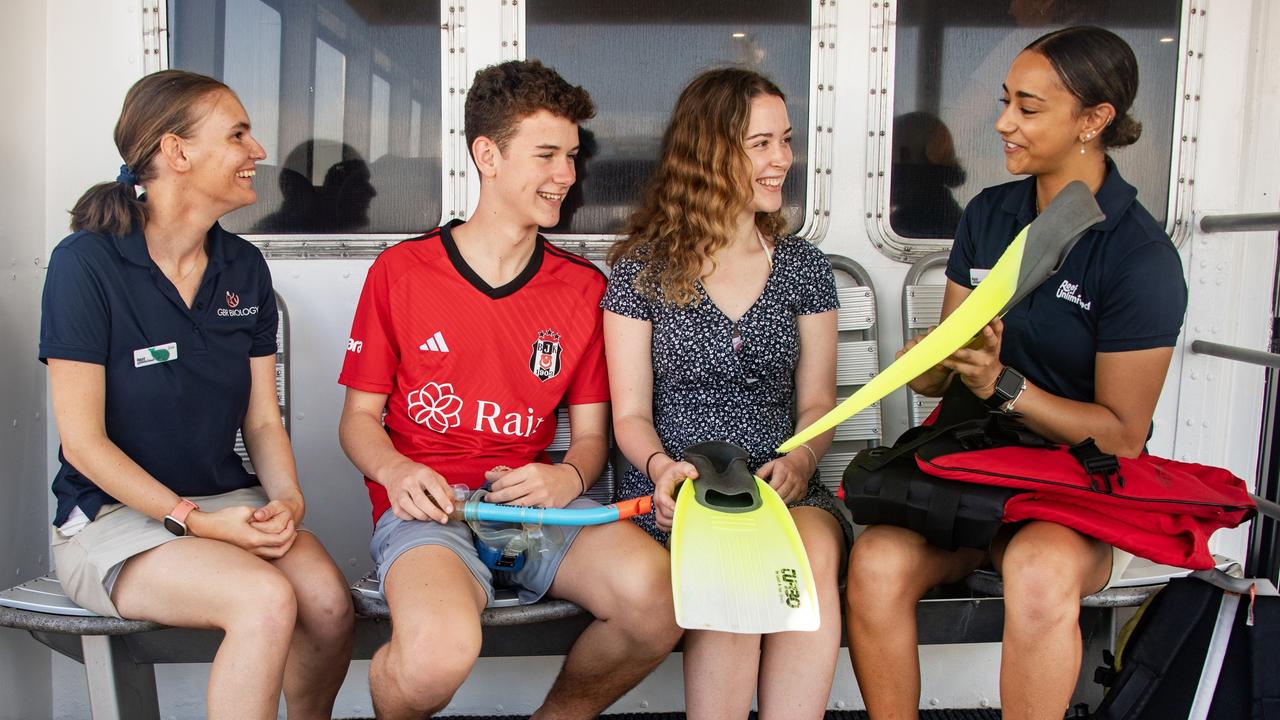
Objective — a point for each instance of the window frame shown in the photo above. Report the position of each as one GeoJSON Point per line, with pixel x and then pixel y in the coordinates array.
{"type": "Point", "coordinates": [454, 159]}
{"type": "Point", "coordinates": [883, 54]}
{"type": "Point", "coordinates": [822, 70]}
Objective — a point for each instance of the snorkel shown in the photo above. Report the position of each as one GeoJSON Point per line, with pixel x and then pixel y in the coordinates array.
{"type": "Point", "coordinates": [504, 534]}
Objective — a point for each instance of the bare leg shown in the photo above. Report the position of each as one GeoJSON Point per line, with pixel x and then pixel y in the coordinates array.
{"type": "Point", "coordinates": [435, 606]}
{"type": "Point", "coordinates": [623, 577]}
{"type": "Point", "coordinates": [720, 671]}
{"type": "Point", "coordinates": [890, 569]}
{"type": "Point", "coordinates": [204, 583]}
{"type": "Point", "coordinates": [321, 646]}
{"type": "Point", "coordinates": [1047, 568]}
{"type": "Point", "coordinates": [798, 667]}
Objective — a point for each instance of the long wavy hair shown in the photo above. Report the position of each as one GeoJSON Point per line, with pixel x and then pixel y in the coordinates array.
{"type": "Point", "coordinates": [702, 182]}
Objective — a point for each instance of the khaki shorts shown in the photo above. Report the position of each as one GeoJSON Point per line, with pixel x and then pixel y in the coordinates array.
{"type": "Point", "coordinates": [1120, 560]}
{"type": "Point", "coordinates": [89, 562]}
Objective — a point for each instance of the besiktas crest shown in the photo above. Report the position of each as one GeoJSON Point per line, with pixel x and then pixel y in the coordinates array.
{"type": "Point", "coordinates": [544, 362]}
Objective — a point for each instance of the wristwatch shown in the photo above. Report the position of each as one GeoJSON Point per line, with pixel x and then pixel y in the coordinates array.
{"type": "Point", "coordinates": [1010, 385]}
{"type": "Point", "coordinates": [176, 521]}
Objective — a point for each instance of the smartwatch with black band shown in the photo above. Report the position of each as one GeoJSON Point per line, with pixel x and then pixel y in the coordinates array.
{"type": "Point", "coordinates": [1010, 385]}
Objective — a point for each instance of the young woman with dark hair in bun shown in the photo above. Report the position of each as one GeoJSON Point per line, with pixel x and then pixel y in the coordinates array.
{"type": "Point", "coordinates": [1085, 355]}
{"type": "Point", "coordinates": [159, 329]}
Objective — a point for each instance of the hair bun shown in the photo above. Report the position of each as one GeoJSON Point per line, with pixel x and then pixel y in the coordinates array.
{"type": "Point", "coordinates": [1122, 132]}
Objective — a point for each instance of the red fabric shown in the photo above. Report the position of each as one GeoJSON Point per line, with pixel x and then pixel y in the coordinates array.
{"type": "Point", "coordinates": [475, 401]}
{"type": "Point", "coordinates": [1165, 511]}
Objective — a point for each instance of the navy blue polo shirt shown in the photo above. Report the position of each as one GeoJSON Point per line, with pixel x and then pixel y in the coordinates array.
{"type": "Point", "coordinates": [1121, 287]}
{"type": "Point", "coordinates": [177, 377]}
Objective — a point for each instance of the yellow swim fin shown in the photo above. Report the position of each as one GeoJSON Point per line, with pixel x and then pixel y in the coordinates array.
{"type": "Point", "coordinates": [1033, 256]}
{"type": "Point", "coordinates": [737, 562]}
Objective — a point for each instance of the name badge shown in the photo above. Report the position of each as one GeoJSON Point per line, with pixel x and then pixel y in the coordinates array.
{"type": "Point", "coordinates": [155, 354]}
{"type": "Point", "coordinates": [977, 275]}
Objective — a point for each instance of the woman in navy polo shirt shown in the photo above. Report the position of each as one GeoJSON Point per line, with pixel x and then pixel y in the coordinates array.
{"type": "Point", "coordinates": [1085, 355]}
{"type": "Point", "coordinates": [159, 329]}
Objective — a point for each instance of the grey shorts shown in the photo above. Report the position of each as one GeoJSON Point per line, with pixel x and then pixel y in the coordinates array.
{"type": "Point", "coordinates": [88, 563]}
{"type": "Point", "coordinates": [392, 537]}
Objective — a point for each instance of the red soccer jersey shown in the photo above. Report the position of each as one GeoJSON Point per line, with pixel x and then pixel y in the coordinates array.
{"type": "Point", "coordinates": [474, 374]}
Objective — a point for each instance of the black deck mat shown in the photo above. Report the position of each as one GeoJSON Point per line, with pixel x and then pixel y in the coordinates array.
{"type": "Point", "coordinates": [980, 714]}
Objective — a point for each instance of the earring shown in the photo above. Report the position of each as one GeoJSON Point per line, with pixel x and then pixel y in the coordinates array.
{"type": "Point", "coordinates": [1082, 141]}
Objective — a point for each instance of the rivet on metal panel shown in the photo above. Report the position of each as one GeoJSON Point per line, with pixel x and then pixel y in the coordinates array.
{"type": "Point", "coordinates": [881, 133]}
{"type": "Point", "coordinates": [884, 91]}
{"type": "Point", "coordinates": [820, 86]}
{"type": "Point", "coordinates": [868, 216]}
{"type": "Point", "coordinates": [872, 91]}
{"type": "Point", "coordinates": [880, 173]}
{"type": "Point", "coordinates": [826, 213]}
{"type": "Point", "coordinates": [504, 43]}
{"type": "Point", "coordinates": [827, 171]}
{"type": "Point", "coordinates": [874, 49]}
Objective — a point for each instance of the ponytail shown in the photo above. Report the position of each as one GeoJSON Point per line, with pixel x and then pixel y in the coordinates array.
{"type": "Point", "coordinates": [109, 208]}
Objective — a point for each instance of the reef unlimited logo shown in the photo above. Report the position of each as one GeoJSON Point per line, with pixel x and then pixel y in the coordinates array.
{"type": "Point", "coordinates": [233, 308]}
{"type": "Point", "coordinates": [788, 587]}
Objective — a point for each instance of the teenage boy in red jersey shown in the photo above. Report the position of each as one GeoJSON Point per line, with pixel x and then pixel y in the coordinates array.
{"type": "Point", "coordinates": [470, 337]}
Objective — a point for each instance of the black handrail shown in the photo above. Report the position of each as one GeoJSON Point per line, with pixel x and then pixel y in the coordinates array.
{"type": "Point", "coordinates": [1240, 222]}
{"type": "Point", "coordinates": [1232, 352]}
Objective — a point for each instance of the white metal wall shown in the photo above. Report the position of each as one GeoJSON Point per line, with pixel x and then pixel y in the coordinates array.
{"type": "Point", "coordinates": [24, 663]}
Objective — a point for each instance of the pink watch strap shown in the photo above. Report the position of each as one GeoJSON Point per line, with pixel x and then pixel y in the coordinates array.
{"type": "Point", "coordinates": [182, 510]}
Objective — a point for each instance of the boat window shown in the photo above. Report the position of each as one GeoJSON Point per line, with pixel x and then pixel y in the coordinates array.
{"type": "Point", "coordinates": [344, 95]}
{"type": "Point", "coordinates": [949, 60]}
{"type": "Point", "coordinates": [634, 58]}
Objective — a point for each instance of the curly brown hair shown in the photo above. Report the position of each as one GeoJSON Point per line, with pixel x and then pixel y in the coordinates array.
{"type": "Point", "coordinates": [504, 94]}
{"type": "Point", "coordinates": [701, 183]}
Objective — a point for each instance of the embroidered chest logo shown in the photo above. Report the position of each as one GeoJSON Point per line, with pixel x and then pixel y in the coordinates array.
{"type": "Point", "coordinates": [1070, 292]}
{"type": "Point", "coordinates": [233, 308]}
{"type": "Point", "coordinates": [544, 362]}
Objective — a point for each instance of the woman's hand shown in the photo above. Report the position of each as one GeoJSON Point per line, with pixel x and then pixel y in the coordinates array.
{"type": "Point", "coordinates": [535, 484]}
{"type": "Point", "coordinates": [978, 363]}
{"type": "Point", "coordinates": [275, 515]}
{"type": "Point", "coordinates": [789, 475]}
{"type": "Point", "coordinates": [669, 473]}
{"type": "Point", "coordinates": [235, 525]}
{"type": "Point", "coordinates": [931, 382]}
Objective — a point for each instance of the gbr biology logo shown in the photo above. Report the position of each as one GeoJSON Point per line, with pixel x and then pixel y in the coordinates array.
{"type": "Point", "coordinates": [233, 308]}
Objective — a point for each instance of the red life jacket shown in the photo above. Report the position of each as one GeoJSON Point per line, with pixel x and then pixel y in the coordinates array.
{"type": "Point", "coordinates": [1155, 508]}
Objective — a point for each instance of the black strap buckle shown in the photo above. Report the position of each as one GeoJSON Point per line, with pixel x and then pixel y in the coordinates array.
{"type": "Point", "coordinates": [1099, 465]}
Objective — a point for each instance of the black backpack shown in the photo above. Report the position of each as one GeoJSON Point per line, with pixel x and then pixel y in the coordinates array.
{"type": "Point", "coordinates": [1191, 632]}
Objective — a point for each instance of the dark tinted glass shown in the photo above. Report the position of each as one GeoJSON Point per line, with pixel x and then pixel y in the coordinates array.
{"type": "Point", "coordinates": [344, 96]}
{"type": "Point", "coordinates": [951, 60]}
{"type": "Point", "coordinates": [634, 58]}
